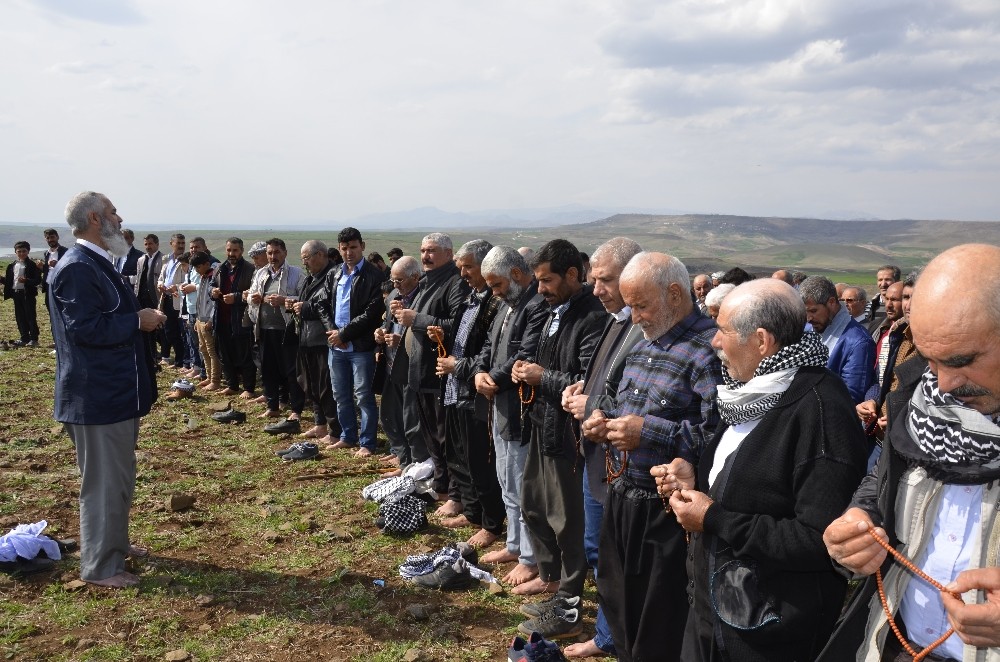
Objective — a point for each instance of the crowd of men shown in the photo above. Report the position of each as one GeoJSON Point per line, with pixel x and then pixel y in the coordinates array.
{"type": "Point", "coordinates": [723, 451]}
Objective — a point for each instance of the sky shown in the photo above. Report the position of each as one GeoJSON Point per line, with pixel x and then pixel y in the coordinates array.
{"type": "Point", "coordinates": [247, 111]}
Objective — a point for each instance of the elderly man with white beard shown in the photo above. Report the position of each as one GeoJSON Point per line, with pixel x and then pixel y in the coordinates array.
{"type": "Point", "coordinates": [780, 468]}
{"type": "Point", "coordinates": [105, 381]}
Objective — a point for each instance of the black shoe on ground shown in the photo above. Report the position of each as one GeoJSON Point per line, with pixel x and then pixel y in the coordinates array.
{"type": "Point", "coordinates": [303, 451]}
{"type": "Point", "coordinates": [557, 623]}
{"type": "Point", "coordinates": [287, 426]}
{"type": "Point", "coordinates": [447, 577]}
{"type": "Point", "coordinates": [536, 609]}
{"type": "Point", "coordinates": [230, 416]}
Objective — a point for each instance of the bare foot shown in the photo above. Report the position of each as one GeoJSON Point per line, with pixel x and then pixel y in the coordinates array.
{"type": "Point", "coordinates": [137, 552]}
{"type": "Point", "coordinates": [586, 649]}
{"type": "Point", "coordinates": [449, 509]}
{"type": "Point", "coordinates": [499, 556]}
{"type": "Point", "coordinates": [210, 387]}
{"type": "Point", "coordinates": [228, 391]}
{"type": "Point", "coordinates": [482, 538]}
{"type": "Point", "coordinates": [246, 395]}
{"type": "Point", "coordinates": [328, 440]}
{"type": "Point", "coordinates": [270, 413]}
{"type": "Point", "coordinates": [456, 522]}
{"type": "Point", "coordinates": [534, 586]}
{"type": "Point", "coordinates": [121, 580]}
{"type": "Point", "coordinates": [315, 432]}
{"type": "Point", "coordinates": [362, 453]}
{"type": "Point", "coordinates": [341, 444]}
{"type": "Point", "coordinates": [389, 460]}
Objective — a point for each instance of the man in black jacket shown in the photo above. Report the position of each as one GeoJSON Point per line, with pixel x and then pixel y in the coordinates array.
{"type": "Point", "coordinates": [933, 494]}
{"type": "Point", "coordinates": [782, 466]}
{"type": "Point", "coordinates": [21, 284]}
{"type": "Point", "coordinates": [513, 337]}
{"type": "Point", "coordinates": [441, 291]}
{"type": "Point", "coordinates": [552, 492]}
{"type": "Point", "coordinates": [233, 331]}
{"type": "Point", "coordinates": [468, 440]}
{"type": "Point", "coordinates": [50, 258]}
{"type": "Point", "coordinates": [356, 311]}
{"type": "Point", "coordinates": [312, 360]}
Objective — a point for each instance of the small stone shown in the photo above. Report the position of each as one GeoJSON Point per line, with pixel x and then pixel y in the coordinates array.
{"type": "Point", "coordinates": [56, 430]}
{"type": "Point", "coordinates": [179, 655]}
{"type": "Point", "coordinates": [419, 612]}
{"type": "Point", "coordinates": [272, 536]}
{"type": "Point", "coordinates": [204, 600]}
{"type": "Point", "coordinates": [337, 533]}
{"type": "Point", "coordinates": [493, 587]}
{"type": "Point", "coordinates": [178, 502]}
{"type": "Point", "coordinates": [84, 644]}
{"type": "Point", "coordinates": [414, 655]}
{"type": "Point", "coordinates": [204, 627]}
{"type": "Point", "coordinates": [75, 585]}
{"type": "Point", "coordinates": [287, 526]}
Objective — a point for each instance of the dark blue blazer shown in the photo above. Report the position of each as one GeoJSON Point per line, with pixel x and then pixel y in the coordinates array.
{"type": "Point", "coordinates": [103, 371]}
{"type": "Point", "coordinates": [853, 360]}
{"type": "Point", "coordinates": [128, 269]}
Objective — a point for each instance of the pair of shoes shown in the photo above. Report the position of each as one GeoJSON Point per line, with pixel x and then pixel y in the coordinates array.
{"type": "Point", "coordinates": [299, 451]}
{"type": "Point", "coordinates": [287, 426]}
{"type": "Point", "coordinates": [536, 649]}
{"type": "Point", "coordinates": [556, 623]}
{"type": "Point", "coordinates": [229, 416]}
{"type": "Point", "coordinates": [446, 577]}
{"type": "Point", "coordinates": [31, 343]}
{"type": "Point", "coordinates": [536, 609]}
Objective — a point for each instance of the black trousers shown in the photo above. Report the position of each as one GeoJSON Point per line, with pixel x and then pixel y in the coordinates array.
{"type": "Point", "coordinates": [552, 508]}
{"type": "Point", "coordinates": [400, 420]}
{"type": "Point", "coordinates": [471, 466]}
{"type": "Point", "coordinates": [641, 577]}
{"type": "Point", "coordinates": [277, 369]}
{"type": "Point", "coordinates": [26, 314]}
{"type": "Point", "coordinates": [432, 424]}
{"type": "Point", "coordinates": [237, 361]}
{"type": "Point", "coordinates": [313, 374]}
{"type": "Point", "coordinates": [173, 334]}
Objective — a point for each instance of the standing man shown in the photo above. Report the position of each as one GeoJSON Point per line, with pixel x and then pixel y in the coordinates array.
{"type": "Point", "coordinates": [52, 255]}
{"type": "Point", "coordinates": [169, 286]}
{"type": "Point", "coordinates": [148, 268]}
{"type": "Point", "coordinates": [398, 409]}
{"type": "Point", "coordinates": [884, 277]}
{"type": "Point", "coordinates": [552, 492]}
{"type": "Point", "coordinates": [312, 359]}
{"type": "Point", "coordinates": [104, 382]}
{"type": "Point", "coordinates": [933, 494]}
{"type": "Point", "coordinates": [442, 291]}
{"type": "Point", "coordinates": [233, 331]}
{"type": "Point", "coordinates": [394, 254]}
{"type": "Point", "coordinates": [21, 284]}
{"type": "Point", "coordinates": [852, 351]}
{"type": "Point", "coordinates": [356, 307]}
{"type": "Point", "coordinates": [598, 391]}
{"type": "Point", "coordinates": [465, 411]}
{"type": "Point", "coordinates": [664, 409]}
{"type": "Point", "coordinates": [513, 337]}
{"type": "Point", "coordinates": [855, 299]}
{"type": "Point", "coordinates": [782, 464]}
{"type": "Point", "coordinates": [126, 264]}
{"type": "Point", "coordinates": [701, 286]}
{"type": "Point", "coordinates": [276, 335]}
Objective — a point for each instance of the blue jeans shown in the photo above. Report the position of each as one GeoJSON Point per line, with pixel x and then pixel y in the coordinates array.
{"type": "Point", "coordinates": [593, 513]}
{"type": "Point", "coordinates": [351, 374]}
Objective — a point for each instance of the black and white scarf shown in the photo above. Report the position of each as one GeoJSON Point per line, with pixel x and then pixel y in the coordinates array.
{"type": "Point", "coordinates": [740, 402]}
{"type": "Point", "coordinates": [947, 430]}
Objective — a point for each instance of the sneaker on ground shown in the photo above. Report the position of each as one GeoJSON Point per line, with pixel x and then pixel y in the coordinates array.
{"type": "Point", "coordinates": [540, 649]}
{"type": "Point", "coordinates": [446, 577]}
{"type": "Point", "coordinates": [304, 451]}
{"type": "Point", "coordinates": [556, 623]}
{"type": "Point", "coordinates": [536, 609]}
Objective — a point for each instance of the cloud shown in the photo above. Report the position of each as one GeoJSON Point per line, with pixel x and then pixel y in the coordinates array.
{"type": "Point", "coordinates": [108, 12]}
{"type": "Point", "coordinates": [76, 67]}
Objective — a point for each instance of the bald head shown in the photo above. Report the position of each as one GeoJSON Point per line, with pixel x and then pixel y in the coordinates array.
{"type": "Point", "coordinates": [701, 285]}
{"type": "Point", "coordinates": [657, 288]}
{"type": "Point", "coordinates": [961, 341]}
{"type": "Point", "coordinates": [766, 303]}
{"type": "Point", "coordinates": [783, 275]}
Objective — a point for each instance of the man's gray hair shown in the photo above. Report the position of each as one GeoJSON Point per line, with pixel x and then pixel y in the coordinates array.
{"type": "Point", "coordinates": [438, 239]}
{"type": "Point", "coordinates": [643, 266]}
{"type": "Point", "coordinates": [817, 289]}
{"type": "Point", "coordinates": [862, 293]}
{"type": "Point", "coordinates": [717, 294]}
{"type": "Point", "coordinates": [501, 261]}
{"type": "Point", "coordinates": [783, 314]}
{"type": "Point", "coordinates": [314, 246]}
{"type": "Point", "coordinates": [618, 250]}
{"type": "Point", "coordinates": [477, 248]}
{"type": "Point", "coordinates": [408, 265]}
{"type": "Point", "coordinates": [78, 210]}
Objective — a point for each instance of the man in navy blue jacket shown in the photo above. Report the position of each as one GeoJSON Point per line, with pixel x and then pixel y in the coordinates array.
{"type": "Point", "coordinates": [105, 381]}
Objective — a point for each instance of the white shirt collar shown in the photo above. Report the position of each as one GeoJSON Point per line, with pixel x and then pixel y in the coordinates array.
{"type": "Point", "coordinates": [622, 314]}
{"type": "Point", "coordinates": [97, 249]}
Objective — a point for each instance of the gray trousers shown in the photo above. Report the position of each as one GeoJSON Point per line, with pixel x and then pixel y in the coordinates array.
{"type": "Point", "coordinates": [106, 457]}
{"type": "Point", "coordinates": [552, 507]}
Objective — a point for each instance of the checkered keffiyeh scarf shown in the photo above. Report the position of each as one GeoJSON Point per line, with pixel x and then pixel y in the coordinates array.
{"type": "Point", "coordinates": [380, 490]}
{"type": "Point", "coordinates": [949, 431]}
{"type": "Point", "coordinates": [740, 402]}
{"type": "Point", "coordinates": [401, 513]}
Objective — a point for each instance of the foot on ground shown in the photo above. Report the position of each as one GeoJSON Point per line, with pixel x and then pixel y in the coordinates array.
{"type": "Point", "coordinates": [534, 586]}
{"type": "Point", "coordinates": [389, 460]}
{"type": "Point", "coordinates": [315, 432]}
{"type": "Point", "coordinates": [246, 395]}
{"type": "Point", "coordinates": [585, 649]}
{"type": "Point", "coordinates": [121, 580]}
{"type": "Point", "coordinates": [499, 556]}
{"type": "Point", "coordinates": [456, 522]}
{"type": "Point", "coordinates": [482, 538]}
{"type": "Point", "coordinates": [449, 508]}
{"type": "Point", "coordinates": [362, 453]}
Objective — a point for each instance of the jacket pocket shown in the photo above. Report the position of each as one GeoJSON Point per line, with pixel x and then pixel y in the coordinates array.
{"type": "Point", "coordinates": [738, 598]}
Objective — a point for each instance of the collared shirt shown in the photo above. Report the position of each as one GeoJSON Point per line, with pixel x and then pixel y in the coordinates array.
{"type": "Point", "coordinates": [461, 336]}
{"type": "Point", "coordinates": [342, 316]}
{"type": "Point", "coordinates": [623, 314]}
{"type": "Point", "coordinates": [169, 269]}
{"type": "Point", "coordinates": [19, 270]}
{"type": "Point", "coordinates": [97, 249]}
{"type": "Point", "coordinates": [949, 552]}
{"type": "Point", "coordinates": [671, 383]}
{"type": "Point", "coordinates": [557, 314]}
{"type": "Point", "coordinates": [831, 334]}
{"type": "Point", "coordinates": [51, 254]}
